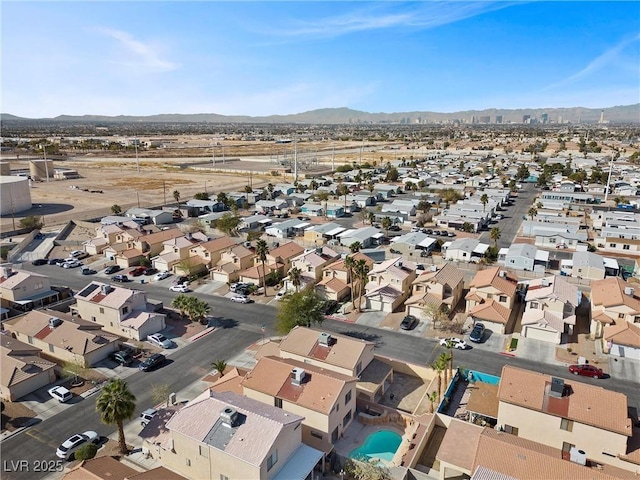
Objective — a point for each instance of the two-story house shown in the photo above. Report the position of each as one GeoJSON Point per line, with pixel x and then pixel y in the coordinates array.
{"type": "Point", "coordinates": [311, 262]}
{"type": "Point", "coordinates": [119, 310]}
{"type": "Point", "coordinates": [176, 255]}
{"type": "Point", "coordinates": [324, 398]}
{"type": "Point", "coordinates": [389, 284]}
{"type": "Point", "coordinates": [232, 260]}
{"type": "Point", "coordinates": [550, 310]}
{"type": "Point", "coordinates": [22, 370]}
{"type": "Point", "coordinates": [336, 278]}
{"type": "Point", "coordinates": [209, 253]}
{"type": "Point", "coordinates": [23, 291]}
{"type": "Point", "coordinates": [228, 436]}
{"type": "Point", "coordinates": [63, 337]}
{"type": "Point", "coordinates": [491, 297]}
{"type": "Point", "coordinates": [439, 287]}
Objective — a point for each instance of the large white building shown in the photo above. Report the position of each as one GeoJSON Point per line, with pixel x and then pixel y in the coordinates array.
{"type": "Point", "coordinates": [16, 196]}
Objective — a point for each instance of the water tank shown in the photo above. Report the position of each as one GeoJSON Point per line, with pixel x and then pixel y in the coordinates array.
{"type": "Point", "coordinates": [15, 195]}
{"type": "Point", "coordinates": [39, 169]}
{"type": "Point", "coordinates": [5, 168]}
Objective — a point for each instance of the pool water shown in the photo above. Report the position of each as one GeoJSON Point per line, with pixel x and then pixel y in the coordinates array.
{"type": "Point", "coordinates": [381, 445]}
{"type": "Point", "coordinates": [483, 377]}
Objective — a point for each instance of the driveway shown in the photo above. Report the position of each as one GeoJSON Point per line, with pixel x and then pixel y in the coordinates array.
{"type": "Point", "coordinates": [537, 350]}
{"type": "Point", "coordinates": [371, 318]}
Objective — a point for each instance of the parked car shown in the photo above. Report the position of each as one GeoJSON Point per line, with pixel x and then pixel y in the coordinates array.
{"type": "Point", "coordinates": [586, 370]}
{"type": "Point", "coordinates": [451, 234]}
{"type": "Point", "coordinates": [154, 361]}
{"type": "Point", "coordinates": [181, 279]}
{"type": "Point", "coordinates": [76, 253]}
{"type": "Point", "coordinates": [409, 322]}
{"type": "Point", "coordinates": [39, 261]}
{"type": "Point", "coordinates": [241, 299]}
{"type": "Point", "coordinates": [123, 357]}
{"type": "Point", "coordinates": [68, 448]}
{"type": "Point", "coordinates": [88, 271]}
{"type": "Point", "coordinates": [55, 261]}
{"type": "Point", "coordinates": [72, 264]}
{"type": "Point", "coordinates": [161, 276]}
{"type": "Point", "coordinates": [150, 271]}
{"type": "Point", "coordinates": [234, 287]}
{"type": "Point", "coordinates": [455, 342]}
{"type": "Point", "coordinates": [60, 393]}
{"type": "Point", "coordinates": [120, 278]}
{"type": "Point", "coordinates": [147, 415]}
{"type": "Point", "coordinates": [394, 228]}
{"type": "Point", "coordinates": [136, 272]}
{"type": "Point", "coordinates": [179, 288]}
{"type": "Point", "coordinates": [160, 340]}
{"type": "Point", "coordinates": [477, 333]}
{"type": "Point", "coordinates": [112, 269]}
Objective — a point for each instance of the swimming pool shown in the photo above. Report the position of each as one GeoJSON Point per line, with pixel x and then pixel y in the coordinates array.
{"type": "Point", "coordinates": [382, 445]}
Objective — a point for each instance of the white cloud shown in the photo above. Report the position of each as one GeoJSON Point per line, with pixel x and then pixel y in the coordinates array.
{"type": "Point", "coordinates": [139, 54]}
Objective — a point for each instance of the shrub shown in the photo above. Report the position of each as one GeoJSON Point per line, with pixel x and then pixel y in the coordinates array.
{"type": "Point", "coordinates": [86, 452]}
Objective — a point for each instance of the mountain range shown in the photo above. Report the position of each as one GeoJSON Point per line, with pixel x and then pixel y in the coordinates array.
{"type": "Point", "coordinates": [327, 116]}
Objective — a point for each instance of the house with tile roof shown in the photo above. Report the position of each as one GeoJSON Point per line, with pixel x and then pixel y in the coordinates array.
{"type": "Point", "coordinates": [568, 416]}
{"type": "Point", "coordinates": [336, 279]}
{"type": "Point", "coordinates": [63, 337]}
{"type": "Point", "coordinates": [280, 257]}
{"type": "Point", "coordinates": [324, 398]}
{"type": "Point", "coordinates": [389, 284]}
{"type": "Point", "coordinates": [122, 311]}
{"type": "Point", "coordinates": [311, 262]}
{"type": "Point", "coordinates": [132, 244]}
{"type": "Point", "coordinates": [22, 370]}
{"type": "Point", "coordinates": [232, 261]}
{"type": "Point", "coordinates": [439, 287]}
{"type": "Point", "coordinates": [176, 256]}
{"type": "Point", "coordinates": [491, 297]}
{"type": "Point", "coordinates": [209, 252]}
{"type": "Point", "coordinates": [23, 291]}
{"type": "Point", "coordinates": [226, 435]}
{"type": "Point", "coordinates": [550, 309]}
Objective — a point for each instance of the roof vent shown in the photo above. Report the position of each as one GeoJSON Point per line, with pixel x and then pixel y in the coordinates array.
{"type": "Point", "coordinates": [54, 322]}
{"type": "Point", "coordinates": [319, 250]}
{"type": "Point", "coordinates": [578, 456]}
{"type": "Point", "coordinates": [557, 387]}
{"type": "Point", "coordinates": [105, 289]}
{"type": "Point", "coordinates": [229, 417]}
{"type": "Point", "coordinates": [297, 376]}
{"type": "Point", "coordinates": [628, 291]}
{"type": "Point", "coordinates": [325, 339]}
{"type": "Point", "coordinates": [433, 268]}
{"type": "Point", "coordinates": [545, 282]}
{"type": "Point", "coordinates": [502, 273]}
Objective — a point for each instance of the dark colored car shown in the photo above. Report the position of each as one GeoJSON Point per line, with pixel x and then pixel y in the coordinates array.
{"type": "Point", "coordinates": [88, 271]}
{"type": "Point", "coordinates": [409, 322]}
{"type": "Point", "coordinates": [54, 261]}
{"type": "Point", "coordinates": [586, 370]}
{"type": "Point", "coordinates": [39, 261]}
{"type": "Point", "coordinates": [150, 271]}
{"type": "Point", "coordinates": [394, 228]}
{"type": "Point", "coordinates": [136, 272]}
{"type": "Point", "coordinates": [112, 269]}
{"type": "Point", "coordinates": [154, 361]}
{"type": "Point", "coordinates": [181, 279]}
{"type": "Point", "coordinates": [477, 333]}
{"type": "Point", "coordinates": [123, 357]}
{"type": "Point", "coordinates": [120, 278]}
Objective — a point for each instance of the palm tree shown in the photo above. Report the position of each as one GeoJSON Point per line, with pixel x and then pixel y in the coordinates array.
{"type": "Point", "coordinates": [197, 309]}
{"type": "Point", "coordinates": [433, 398]}
{"type": "Point", "coordinates": [447, 359]}
{"type": "Point", "coordinates": [295, 276]}
{"type": "Point", "coordinates": [532, 212]}
{"type": "Point", "coordinates": [343, 190]}
{"type": "Point", "coordinates": [323, 197]}
{"type": "Point", "coordinates": [116, 404]}
{"type": "Point", "coordinates": [386, 223]}
{"type": "Point", "coordinates": [361, 270]}
{"type": "Point", "coordinates": [176, 197]}
{"type": "Point", "coordinates": [262, 250]}
{"type": "Point", "coordinates": [484, 199]}
{"type": "Point", "coordinates": [349, 264]}
{"type": "Point", "coordinates": [314, 185]}
{"type": "Point", "coordinates": [449, 345]}
{"type": "Point", "coordinates": [220, 366]}
{"type": "Point", "coordinates": [181, 303]}
{"type": "Point", "coordinates": [364, 215]}
{"type": "Point", "coordinates": [355, 247]}
{"type": "Point", "coordinates": [494, 234]}
{"type": "Point", "coordinates": [439, 367]}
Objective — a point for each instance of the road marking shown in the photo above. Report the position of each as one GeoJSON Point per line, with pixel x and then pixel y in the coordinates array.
{"type": "Point", "coordinates": [43, 437]}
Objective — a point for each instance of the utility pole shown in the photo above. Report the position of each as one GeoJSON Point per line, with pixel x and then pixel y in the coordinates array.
{"type": "Point", "coordinates": [223, 155]}
{"type": "Point", "coordinates": [213, 159]}
{"type": "Point", "coordinates": [606, 192]}
{"type": "Point", "coordinates": [46, 165]}
{"type": "Point", "coordinates": [138, 197]}
{"type": "Point", "coordinates": [295, 160]}
{"type": "Point", "coordinates": [135, 145]}
{"type": "Point", "coordinates": [333, 158]}
{"type": "Point", "coordinates": [164, 193]}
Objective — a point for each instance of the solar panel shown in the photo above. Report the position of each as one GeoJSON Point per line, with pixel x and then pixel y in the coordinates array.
{"type": "Point", "coordinates": [88, 290]}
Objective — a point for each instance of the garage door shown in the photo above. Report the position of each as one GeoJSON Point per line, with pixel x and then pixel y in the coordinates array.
{"type": "Point", "coordinates": [539, 334]}
{"type": "Point", "coordinates": [375, 304]}
{"type": "Point", "coordinates": [626, 352]}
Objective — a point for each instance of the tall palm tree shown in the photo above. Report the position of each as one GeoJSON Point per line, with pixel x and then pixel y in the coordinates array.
{"type": "Point", "coordinates": [361, 270]}
{"type": "Point", "coordinates": [295, 276]}
{"type": "Point", "coordinates": [449, 346]}
{"type": "Point", "coordinates": [349, 264]}
{"type": "Point", "coordinates": [446, 360]}
{"type": "Point", "coordinates": [386, 224]}
{"type": "Point", "coordinates": [262, 250]}
{"type": "Point", "coordinates": [494, 234]}
{"type": "Point", "coordinates": [176, 197]}
{"type": "Point", "coordinates": [532, 212]}
{"type": "Point", "coordinates": [439, 367]}
{"type": "Point", "coordinates": [433, 398]}
{"type": "Point", "coordinates": [116, 404]}
{"type": "Point", "coordinates": [343, 190]}
{"type": "Point", "coordinates": [323, 197]}
{"type": "Point", "coordinates": [484, 199]}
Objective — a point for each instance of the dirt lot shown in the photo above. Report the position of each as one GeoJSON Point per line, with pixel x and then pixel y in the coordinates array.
{"type": "Point", "coordinates": [15, 415]}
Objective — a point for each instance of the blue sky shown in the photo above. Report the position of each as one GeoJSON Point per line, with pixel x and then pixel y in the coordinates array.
{"type": "Point", "coordinates": [264, 58]}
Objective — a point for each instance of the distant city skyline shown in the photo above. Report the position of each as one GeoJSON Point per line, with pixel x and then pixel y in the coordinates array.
{"type": "Point", "coordinates": [268, 58]}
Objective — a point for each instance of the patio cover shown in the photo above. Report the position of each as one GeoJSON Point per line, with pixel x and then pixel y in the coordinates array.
{"type": "Point", "coordinates": [335, 231]}
{"type": "Point", "coordinates": [300, 464]}
{"type": "Point", "coordinates": [302, 225]}
{"type": "Point", "coordinates": [39, 296]}
{"type": "Point", "coordinates": [542, 255]}
{"type": "Point", "coordinates": [481, 248]}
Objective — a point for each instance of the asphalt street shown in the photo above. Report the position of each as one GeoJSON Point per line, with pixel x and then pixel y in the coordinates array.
{"type": "Point", "coordinates": [512, 217]}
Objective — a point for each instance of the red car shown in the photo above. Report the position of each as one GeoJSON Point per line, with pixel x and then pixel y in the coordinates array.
{"type": "Point", "coordinates": [136, 272]}
{"type": "Point", "coordinates": [586, 370]}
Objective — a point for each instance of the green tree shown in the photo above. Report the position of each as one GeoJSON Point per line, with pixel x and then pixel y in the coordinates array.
{"type": "Point", "coordinates": [386, 224]}
{"type": "Point", "coordinates": [220, 366]}
{"type": "Point", "coordinates": [176, 197]}
{"type": "Point", "coordinates": [392, 175]}
{"type": "Point", "coordinates": [304, 308]}
{"type": "Point", "coordinates": [366, 469]}
{"type": "Point", "coordinates": [467, 227]}
{"type": "Point", "coordinates": [355, 247]}
{"type": "Point", "coordinates": [484, 199]}
{"type": "Point", "coordinates": [361, 271]}
{"type": "Point", "coordinates": [4, 252]}
{"type": "Point", "coordinates": [262, 250]}
{"type": "Point", "coordinates": [181, 303]}
{"type": "Point", "coordinates": [196, 309]}
{"type": "Point", "coordinates": [494, 234]}
{"type": "Point", "coordinates": [201, 196]}
{"type": "Point", "coordinates": [523, 172]}
{"type": "Point", "coordinates": [343, 190]}
{"type": "Point", "coordinates": [424, 206]}
{"type": "Point", "coordinates": [248, 189]}
{"type": "Point", "coordinates": [74, 368]}
{"type": "Point", "coordinates": [295, 276]}
{"type": "Point", "coordinates": [349, 264]}
{"type": "Point", "coordinates": [323, 197]}
{"type": "Point", "coordinates": [116, 404]}
{"type": "Point", "coordinates": [222, 198]}
{"type": "Point", "coordinates": [532, 212]}
{"type": "Point", "coordinates": [439, 366]}
{"type": "Point", "coordinates": [433, 399]}
{"type": "Point", "coordinates": [116, 209]}
{"type": "Point", "coordinates": [86, 451]}
{"type": "Point", "coordinates": [32, 222]}
{"type": "Point", "coordinates": [228, 224]}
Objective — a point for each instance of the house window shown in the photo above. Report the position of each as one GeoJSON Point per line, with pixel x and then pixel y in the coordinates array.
{"type": "Point", "coordinates": [625, 247]}
{"type": "Point", "coordinates": [30, 340]}
{"type": "Point", "coordinates": [511, 430]}
{"type": "Point", "coordinates": [347, 398]}
{"type": "Point", "coordinates": [51, 348]}
{"type": "Point", "coordinates": [125, 310]}
{"type": "Point", "coordinates": [187, 462]}
{"type": "Point", "coordinates": [636, 319]}
{"type": "Point", "coordinates": [334, 435]}
{"type": "Point", "coordinates": [566, 425]}
{"type": "Point", "coordinates": [277, 402]}
{"type": "Point", "coordinates": [464, 254]}
{"type": "Point", "coordinates": [203, 451]}
{"type": "Point", "coordinates": [93, 319]}
{"type": "Point", "coordinates": [489, 295]}
{"type": "Point", "coordinates": [316, 434]}
{"type": "Point", "coordinates": [566, 446]}
{"type": "Point", "coordinates": [346, 419]}
{"type": "Point", "coordinates": [534, 305]}
{"type": "Point", "coordinates": [272, 460]}
{"type": "Point", "coordinates": [612, 245]}
{"type": "Point", "coordinates": [101, 310]}
{"type": "Point", "coordinates": [503, 298]}
{"type": "Point", "coordinates": [512, 261]}
{"type": "Point", "coordinates": [621, 315]}
{"type": "Point", "coordinates": [552, 240]}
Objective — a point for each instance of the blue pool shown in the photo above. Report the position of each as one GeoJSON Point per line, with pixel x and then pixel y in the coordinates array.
{"type": "Point", "coordinates": [483, 377]}
{"type": "Point", "coordinates": [381, 445]}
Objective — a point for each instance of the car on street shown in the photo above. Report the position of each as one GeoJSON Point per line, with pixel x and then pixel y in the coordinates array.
{"type": "Point", "coordinates": [409, 322]}
{"type": "Point", "coordinates": [88, 271]}
{"type": "Point", "coordinates": [123, 357]}
{"type": "Point", "coordinates": [120, 278]}
{"type": "Point", "coordinates": [241, 299]}
{"type": "Point", "coordinates": [72, 264]}
{"type": "Point", "coordinates": [55, 261]}
{"type": "Point", "coordinates": [180, 288]}
{"type": "Point", "coordinates": [136, 272]}
{"type": "Point", "coordinates": [68, 448]}
{"type": "Point", "coordinates": [112, 269]}
{"type": "Point", "coordinates": [147, 415]}
{"type": "Point", "coordinates": [39, 261]}
{"type": "Point", "coordinates": [457, 343]}
{"type": "Point", "coordinates": [60, 393]}
{"type": "Point", "coordinates": [586, 370]}
{"type": "Point", "coordinates": [477, 333]}
{"type": "Point", "coordinates": [76, 253]}
{"type": "Point", "coordinates": [154, 361]}
{"type": "Point", "coordinates": [161, 276]}
{"type": "Point", "coordinates": [150, 271]}
{"type": "Point", "coordinates": [160, 340]}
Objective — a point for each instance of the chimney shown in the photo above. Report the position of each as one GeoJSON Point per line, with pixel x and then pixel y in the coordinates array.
{"type": "Point", "coordinates": [297, 376]}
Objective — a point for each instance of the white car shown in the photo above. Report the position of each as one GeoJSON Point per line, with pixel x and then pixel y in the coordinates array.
{"type": "Point", "coordinates": [61, 394]}
{"type": "Point", "coordinates": [70, 445]}
{"type": "Point", "coordinates": [147, 415]}
{"type": "Point", "coordinates": [241, 299]}
{"type": "Point", "coordinates": [455, 342]}
{"type": "Point", "coordinates": [182, 288]}
{"type": "Point", "coordinates": [76, 253]}
{"type": "Point", "coordinates": [160, 340]}
{"type": "Point", "coordinates": [72, 263]}
{"type": "Point", "coordinates": [161, 276]}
